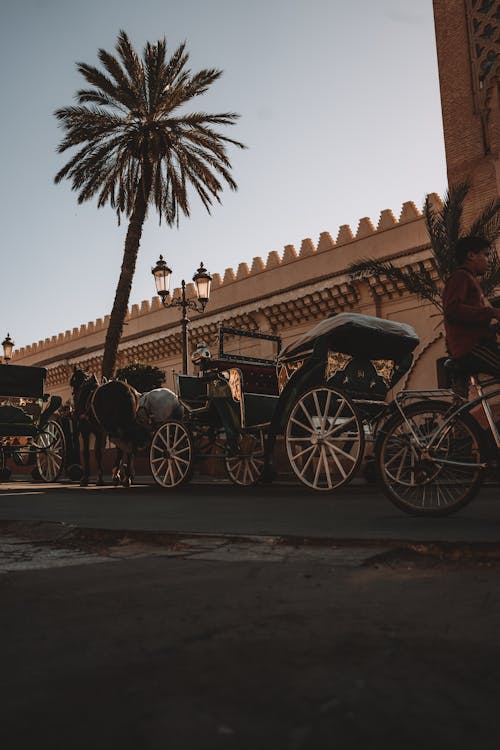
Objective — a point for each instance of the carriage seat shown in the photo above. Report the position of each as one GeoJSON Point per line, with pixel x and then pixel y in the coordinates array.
{"type": "Point", "coordinates": [14, 422]}
{"type": "Point", "coordinates": [257, 378]}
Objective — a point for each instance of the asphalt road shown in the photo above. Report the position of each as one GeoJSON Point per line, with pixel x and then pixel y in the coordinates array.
{"type": "Point", "coordinates": [215, 647]}
{"type": "Point", "coordinates": [207, 643]}
{"type": "Point", "coordinates": [358, 512]}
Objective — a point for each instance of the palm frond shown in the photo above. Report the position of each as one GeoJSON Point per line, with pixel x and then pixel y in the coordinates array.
{"type": "Point", "coordinates": [418, 282]}
{"type": "Point", "coordinates": [487, 224]}
{"type": "Point", "coordinates": [445, 226]}
{"type": "Point", "coordinates": [130, 58]}
{"type": "Point", "coordinates": [490, 282]}
{"type": "Point", "coordinates": [452, 212]}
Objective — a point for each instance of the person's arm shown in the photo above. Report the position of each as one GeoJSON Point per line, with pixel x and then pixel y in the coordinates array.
{"type": "Point", "coordinates": [495, 320]}
{"type": "Point", "coordinates": [455, 306]}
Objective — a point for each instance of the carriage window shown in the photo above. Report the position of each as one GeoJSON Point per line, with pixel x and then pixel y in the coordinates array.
{"type": "Point", "coordinates": [248, 346]}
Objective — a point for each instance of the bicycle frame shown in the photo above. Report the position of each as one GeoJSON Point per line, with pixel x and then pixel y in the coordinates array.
{"type": "Point", "coordinates": [465, 407]}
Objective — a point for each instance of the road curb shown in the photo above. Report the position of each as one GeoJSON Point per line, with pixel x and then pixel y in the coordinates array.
{"type": "Point", "coordinates": [390, 549]}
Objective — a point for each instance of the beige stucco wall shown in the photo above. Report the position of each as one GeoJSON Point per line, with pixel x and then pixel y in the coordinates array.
{"type": "Point", "coordinates": [285, 294]}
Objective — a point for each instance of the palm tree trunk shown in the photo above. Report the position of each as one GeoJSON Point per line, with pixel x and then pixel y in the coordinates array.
{"type": "Point", "coordinates": [122, 295]}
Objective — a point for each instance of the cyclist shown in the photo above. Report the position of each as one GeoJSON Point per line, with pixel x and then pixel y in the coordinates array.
{"type": "Point", "coordinates": [468, 317]}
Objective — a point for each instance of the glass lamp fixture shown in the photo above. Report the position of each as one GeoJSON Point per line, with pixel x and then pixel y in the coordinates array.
{"type": "Point", "coordinates": [162, 274]}
{"type": "Point", "coordinates": [203, 280]}
{"type": "Point", "coordinates": [8, 346]}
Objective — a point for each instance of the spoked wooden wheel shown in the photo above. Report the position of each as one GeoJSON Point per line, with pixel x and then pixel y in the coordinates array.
{"type": "Point", "coordinates": [171, 455]}
{"type": "Point", "coordinates": [209, 442]}
{"type": "Point", "coordinates": [324, 439]}
{"type": "Point", "coordinates": [50, 448]}
{"type": "Point", "coordinates": [247, 466]}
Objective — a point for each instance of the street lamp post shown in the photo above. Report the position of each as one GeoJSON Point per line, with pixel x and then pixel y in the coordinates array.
{"type": "Point", "coordinates": [202, 280]}
{"type": "Point", "coordinates": [8, 346]}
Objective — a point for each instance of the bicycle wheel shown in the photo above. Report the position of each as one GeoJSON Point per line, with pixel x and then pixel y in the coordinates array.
{"type": "Point", "coordinates": [324, 439]}
{"type": "Point", "coordinates": [418, 482]}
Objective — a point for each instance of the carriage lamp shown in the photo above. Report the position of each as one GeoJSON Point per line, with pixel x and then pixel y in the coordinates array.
{"type": "Point", "coordinates": [8, 345]}
{"type": "Point", "coordinates": [202, 281]}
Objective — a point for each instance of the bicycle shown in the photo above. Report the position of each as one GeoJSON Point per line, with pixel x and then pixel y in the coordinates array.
{"type": "Point", "coordinates": [432, 453]}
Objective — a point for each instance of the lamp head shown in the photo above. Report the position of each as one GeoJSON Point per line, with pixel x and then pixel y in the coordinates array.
{"type": "Point", "coordinates": [202, 280]}
{"type": "Point", "coordinates": [8, 346]}
{"type": "Point", "coordinates": [162, 274]}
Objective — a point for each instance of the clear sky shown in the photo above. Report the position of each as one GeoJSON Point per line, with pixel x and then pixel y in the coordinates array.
{"type": "Point", "coordinates": [340, 110]}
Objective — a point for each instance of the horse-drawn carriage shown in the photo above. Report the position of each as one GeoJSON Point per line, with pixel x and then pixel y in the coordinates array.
{"type": "Point", "coordinates": [28, 435]}
{"type": "Point", "coordinates": [324, 393]}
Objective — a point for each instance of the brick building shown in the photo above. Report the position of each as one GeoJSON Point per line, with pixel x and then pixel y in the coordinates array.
{"type": "Point", "coordinates": [467, 38]}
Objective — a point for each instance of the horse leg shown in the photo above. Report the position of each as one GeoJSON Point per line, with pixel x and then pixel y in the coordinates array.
{"type": "Point", "coordinates": [116, 471]}
{"type": "Point", "coordinates": [128, 470]}
{"type": "Point", "coordinates": [98, 451]}
{"type": "Point", "coordinates": [86, 458]}
{"type": "Point", "coordinates": [132, 468]}
{"type": "Point", "coordinates": [75, 439]}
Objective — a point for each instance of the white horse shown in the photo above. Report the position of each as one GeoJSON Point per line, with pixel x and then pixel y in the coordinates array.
{"type": "Point", "coordinates": [158, 406]}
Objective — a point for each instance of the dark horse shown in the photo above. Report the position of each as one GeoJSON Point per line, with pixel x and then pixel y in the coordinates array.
{"type": "Point", "coordinates": [115, 410]}
{"type": "Point", "coordinates": [115, 404]}
{"type": "Point", "coordinates": [83, 387]}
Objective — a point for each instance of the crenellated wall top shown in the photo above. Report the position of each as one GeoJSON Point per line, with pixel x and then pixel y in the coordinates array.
{"type": "Point", "coordinates": [347, 247]}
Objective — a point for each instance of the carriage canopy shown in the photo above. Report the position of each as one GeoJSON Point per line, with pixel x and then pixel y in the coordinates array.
{"type": "Point", "coordinates": [20, 380]}
{"type": "Point", "coordinates": [358, 335]}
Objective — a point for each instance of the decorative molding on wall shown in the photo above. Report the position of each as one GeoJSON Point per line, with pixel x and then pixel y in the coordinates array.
{"type": "Point", "coordinates": [482, 18]}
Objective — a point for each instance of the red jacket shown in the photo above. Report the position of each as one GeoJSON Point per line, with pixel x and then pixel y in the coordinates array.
{"type": "Point", "coordinates": [466, 314]}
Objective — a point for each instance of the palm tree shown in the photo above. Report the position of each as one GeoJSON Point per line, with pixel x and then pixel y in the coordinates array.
{"type": "Point", "coordinates": [137, 148]}
{"type": "Point", "coordinates": [444, 224]}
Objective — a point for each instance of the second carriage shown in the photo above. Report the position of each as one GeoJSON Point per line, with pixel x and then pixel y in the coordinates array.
{"type": "Point", "coordinates": [324, 394]}
{"type": "Point", "coordinates": [29, 435]}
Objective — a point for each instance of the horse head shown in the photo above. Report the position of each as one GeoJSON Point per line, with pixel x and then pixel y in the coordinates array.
{"type": "Point", "coordinates": [77, 379]}
{"type": "Point", "coordinates": [82, 387]}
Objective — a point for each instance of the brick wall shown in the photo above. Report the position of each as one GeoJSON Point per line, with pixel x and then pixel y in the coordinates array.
{"type": "Point", "coordinates": [466, 33]}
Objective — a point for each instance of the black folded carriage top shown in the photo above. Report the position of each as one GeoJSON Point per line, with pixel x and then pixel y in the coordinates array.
{"type": "Point", "coordinates": [20, 380]}
{"type": "Point", "coordinates": [358, 335]}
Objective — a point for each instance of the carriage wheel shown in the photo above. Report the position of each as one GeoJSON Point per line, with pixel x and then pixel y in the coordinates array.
{"type": "Point", "coordinates": [50, 451]}
{"type": "Point", "coordinates": [247, 466]}
{"type": "Point", "coordinates": [171, 455]}
{"type": "Point", "coordinates": [324, 439]}
{"type": "Point", "coordinates": [209, 441]}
